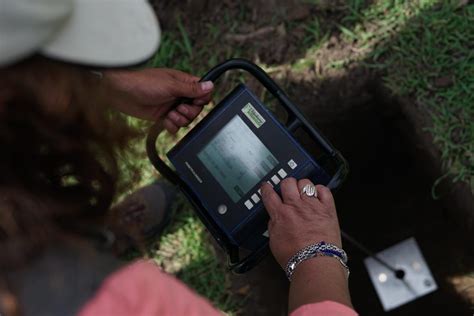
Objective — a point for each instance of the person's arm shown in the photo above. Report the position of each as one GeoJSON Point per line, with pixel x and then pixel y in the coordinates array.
{"type": "Point", "coordinates": [142, 289]}
{"type": "Point", "coordinates": [152, 93]}
{"type": "Point", "coordinates": [317, 280]}
{"type": "Point", "coordinates": [297, 221]}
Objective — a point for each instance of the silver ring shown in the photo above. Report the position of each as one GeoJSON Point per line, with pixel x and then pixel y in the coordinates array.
{"type": "Point", "coordinates": [309, 190]}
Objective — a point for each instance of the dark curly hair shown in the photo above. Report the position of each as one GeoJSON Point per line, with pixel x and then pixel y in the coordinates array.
{"type": "Point", "coordinates": [58, 159]}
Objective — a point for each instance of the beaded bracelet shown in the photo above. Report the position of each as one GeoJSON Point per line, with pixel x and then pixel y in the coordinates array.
{"type": "Point", "coordinates": [319, 249]}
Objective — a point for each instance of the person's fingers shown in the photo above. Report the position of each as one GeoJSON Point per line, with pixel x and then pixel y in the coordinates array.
{"type": "Point", "coordinates": [203, 100]}
{"type": "Point", "coordinates": [189, 111]}
{"type": "Point", "coordinates": [301, 184]}
{"type": "Point", "coordinates": [271, 200]}
{"type": "Point", "coordinates": [289, 190]}
{"type": "Point", "coordinates": [182, 76]}
{"type": "Point", "coordinates": [178, 119]}
{"type": "Point", "coordinates": [187, 87]}
{"type": "Point", "coordinates": [199, 102]}
{"type": "Point", "coordinates": [324, 195]}
{"type": "Point", "coordinates": [170, 126]}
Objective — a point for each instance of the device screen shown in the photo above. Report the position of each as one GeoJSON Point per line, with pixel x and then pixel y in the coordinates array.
{"type": "Point", "coordinates": [237, 158]}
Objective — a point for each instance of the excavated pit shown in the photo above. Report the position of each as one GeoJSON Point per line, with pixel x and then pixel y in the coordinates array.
{"type": "Point", "coordinates": [386, 199]}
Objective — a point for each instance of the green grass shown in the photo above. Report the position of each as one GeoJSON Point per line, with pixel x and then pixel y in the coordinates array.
{"type": "Point", "coordinates": [186, 251]}
{"type": "Point", "coordinates": [420, 45]}
{"type": "Point", "coordinates": [432, 61]}
{"type": "Point", "coordinates": [172, 45]}
{"type": "Point", "coordinates": [417, 45]}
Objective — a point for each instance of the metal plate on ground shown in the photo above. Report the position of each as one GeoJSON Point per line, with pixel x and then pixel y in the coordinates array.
{"type": "Point", "coordinates": [418, 280]}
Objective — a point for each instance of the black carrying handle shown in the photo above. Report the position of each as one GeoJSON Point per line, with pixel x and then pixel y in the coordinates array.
{"type": "Point", "coordinates": [295, 121]}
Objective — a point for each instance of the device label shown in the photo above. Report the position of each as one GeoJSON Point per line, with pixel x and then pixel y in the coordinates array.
{"type": "Point", "coordinates": [252, 114]}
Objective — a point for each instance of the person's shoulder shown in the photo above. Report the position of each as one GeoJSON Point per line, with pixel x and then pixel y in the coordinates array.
{"type": "Point", "coordinates": [142, 288]}
{"type": "Point", "coordinates": [140, 269]}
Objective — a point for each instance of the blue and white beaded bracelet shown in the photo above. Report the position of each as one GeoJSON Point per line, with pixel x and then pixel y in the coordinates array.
{"type": "Point", "coordinates": [319, 249]}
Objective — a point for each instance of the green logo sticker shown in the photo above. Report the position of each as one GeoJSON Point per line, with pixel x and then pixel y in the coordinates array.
{"type": "Point", "coordinates": [252, 114]}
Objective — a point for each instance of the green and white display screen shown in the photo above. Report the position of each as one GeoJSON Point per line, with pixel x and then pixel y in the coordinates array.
{"type": "Point", "coordinates": [237, 159]}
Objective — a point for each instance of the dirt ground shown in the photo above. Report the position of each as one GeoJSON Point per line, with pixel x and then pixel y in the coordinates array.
{"type": "Point", "coordinates": [387, 197]}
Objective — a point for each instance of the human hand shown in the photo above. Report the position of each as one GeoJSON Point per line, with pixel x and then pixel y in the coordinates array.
{"type": "Point", "coordinates": [150, 93]}
{"type": "Point", "coordinates": [297, 221]}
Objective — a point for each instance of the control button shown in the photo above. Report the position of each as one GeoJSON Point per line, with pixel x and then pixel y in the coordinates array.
{"type": "Point", "coordinates": [248, 204]}
{"type": "Point", "coordinates": [260, 192]}
{"type": "Point", "coordinates": [292, 164]}
{"type": "Point", "coordinates": [222, 209]}
{"type": "Point", "coordinates": [270, 183]}
{"type": "Point", "coordinates": [282, 173]}
{"type": "Point", "coordinates": [255, 198]}
{"type": "Point", "coordinates": [275, 179]}
{"type": "Point", "coordinates": [265, 234]}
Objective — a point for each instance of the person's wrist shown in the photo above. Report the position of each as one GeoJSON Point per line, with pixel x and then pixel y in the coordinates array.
{"type": "Point", "coordinates": [316, 250]}
{"type": "Point", "coordinates": [116, 79]}
{"type": "Point", "coordinates": [117, 88]}
{"type": "Point", "coordinates": [329, 238]}
{"type": "Point", "coordinates": [283, 256]}
{"type": "Point", "coordinates": [316, 266]}
{"type": "Point", "coordinates": [319, 279]}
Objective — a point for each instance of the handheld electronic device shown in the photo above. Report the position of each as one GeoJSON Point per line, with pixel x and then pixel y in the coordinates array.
{"type": "Point", "coordinates": [220, 164]}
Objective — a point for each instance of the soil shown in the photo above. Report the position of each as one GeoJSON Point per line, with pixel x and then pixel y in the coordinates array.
{"type": "Point", "coordinates": [387, 197]}
{"type": "Point", "coordinates": [268, 31]}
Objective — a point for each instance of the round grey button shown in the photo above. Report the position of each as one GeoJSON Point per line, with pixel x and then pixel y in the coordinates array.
{"type": "Point", "coordinates": [222, 209]}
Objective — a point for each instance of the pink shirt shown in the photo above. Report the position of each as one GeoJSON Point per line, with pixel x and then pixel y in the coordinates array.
{"type": "Point", "coordinates": [142, 289]}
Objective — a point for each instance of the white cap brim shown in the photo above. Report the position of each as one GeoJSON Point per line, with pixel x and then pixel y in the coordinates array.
{"type": "Point", "coordinates": [106, 33]}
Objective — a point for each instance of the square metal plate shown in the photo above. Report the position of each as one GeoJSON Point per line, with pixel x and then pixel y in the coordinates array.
{"type": "Point", "coordinates": [418, 280]}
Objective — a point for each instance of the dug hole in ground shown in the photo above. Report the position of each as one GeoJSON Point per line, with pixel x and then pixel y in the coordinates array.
{"type": "Point", "coordinates": [386, 199]}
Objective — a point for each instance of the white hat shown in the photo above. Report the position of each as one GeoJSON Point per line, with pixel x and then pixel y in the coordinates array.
{"type": "Point", "coordinates": [104, 33]}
